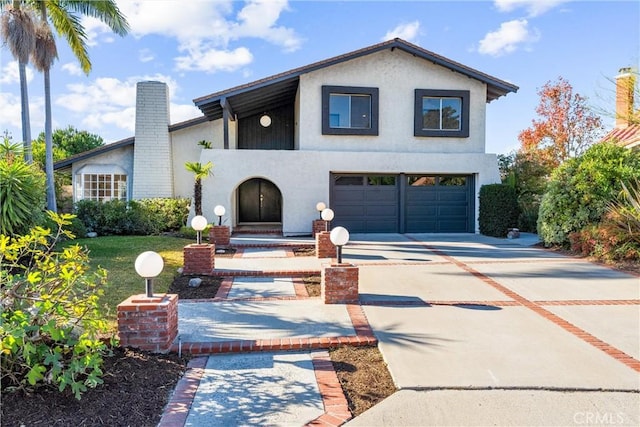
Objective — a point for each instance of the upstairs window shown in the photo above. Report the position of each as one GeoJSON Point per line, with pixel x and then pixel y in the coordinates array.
{"type": "Point", "coordinates": [441, 113]}
{"type": "Point", "coordinates": [349, 110]}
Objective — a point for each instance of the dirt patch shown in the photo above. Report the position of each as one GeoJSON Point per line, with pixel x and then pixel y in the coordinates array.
{"type": "Point", "coordinates": [208, 287]}
{"type": "Point", "coordinates": [312, 284]}
{"type": "Point", "coordinates": [305, 251]}
{"type": "Point", "coordinates": [363, 375]}
{"type": "Point", "coordinates": [137, 386]}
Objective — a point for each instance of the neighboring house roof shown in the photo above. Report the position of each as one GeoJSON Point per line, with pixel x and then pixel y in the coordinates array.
{"type": "Point", "coordinates": [280, 89]}
{"type": "Point", "coordinates": [66, 163]}
{"type": "Point", "coordinates": [625, 136]}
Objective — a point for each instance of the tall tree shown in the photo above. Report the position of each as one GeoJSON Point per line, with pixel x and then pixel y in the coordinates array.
{"type": "Point", "coordinates": [566, 126]}
{"type": "Point", "coordinates": [18, 33]}
{"type": "Point", "coordinates": [200, 172]}
{"type": "Point", "coordinates": [66, 143]}
{"type": "Point", "coordinates": [64, 17]}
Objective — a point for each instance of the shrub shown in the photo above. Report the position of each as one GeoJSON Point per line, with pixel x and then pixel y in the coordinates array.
{"type": "Point", "coordinates": [22, 191]}
{"type": "Point", "coordinates": [136, 217]}
{"type": "Point", "coordinates": [498, 209]}
{"type": "Point", "coordinates": [49, 334]}
{"type": "Point", "coordinates": [581, 189]}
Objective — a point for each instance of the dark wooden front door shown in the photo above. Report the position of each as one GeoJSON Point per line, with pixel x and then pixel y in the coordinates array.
{"type": "Point", "coordinates": [259, 200]}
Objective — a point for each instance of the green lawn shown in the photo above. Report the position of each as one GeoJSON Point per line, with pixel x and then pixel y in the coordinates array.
{"type": "Point", "coordinates": [117, 254]}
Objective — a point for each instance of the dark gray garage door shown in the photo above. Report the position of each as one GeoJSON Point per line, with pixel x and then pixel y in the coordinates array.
{"type": "Point", "coordinates": [439, 204]}
{"type": "Point", "coordinates": [421, 203]}
{"type": "Point", "coordinates": [365, 203]}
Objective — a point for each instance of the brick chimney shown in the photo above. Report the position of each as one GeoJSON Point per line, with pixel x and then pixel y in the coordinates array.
{"type": "Point", "coordinates": [625, 84]}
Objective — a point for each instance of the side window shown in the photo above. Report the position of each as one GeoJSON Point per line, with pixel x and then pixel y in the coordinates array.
{"type": "Point", "coordinates": [349, 110]}
{"type": "Point", "coordinates": [441, 113]}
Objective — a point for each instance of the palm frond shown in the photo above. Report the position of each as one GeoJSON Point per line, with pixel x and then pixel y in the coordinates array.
{"type": "Point", "coordinates": [17, 30]}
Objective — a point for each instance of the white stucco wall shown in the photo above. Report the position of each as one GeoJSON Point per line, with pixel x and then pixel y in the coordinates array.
{"type": "Point", "coordinates": [303, 176]}
{"type": "Point", "coordinates": [185, 148]}
{"type": "Point", "coordinates": [396, 74]}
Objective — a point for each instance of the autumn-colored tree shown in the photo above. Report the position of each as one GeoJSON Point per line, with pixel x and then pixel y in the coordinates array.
{"type": "Point", "coordinates": [566, 126]}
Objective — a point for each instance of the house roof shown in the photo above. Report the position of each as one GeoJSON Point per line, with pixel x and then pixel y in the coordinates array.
{"type": "Point", "coordinates": [66, 163]}
{"type": "Point", "coordinates": [628, 136]}
{"type": "Point", "coordinates": [280, 89]}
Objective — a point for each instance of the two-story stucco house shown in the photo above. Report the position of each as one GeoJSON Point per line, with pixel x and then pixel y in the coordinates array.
{"type": "Point", "coordinates": [391, 137]}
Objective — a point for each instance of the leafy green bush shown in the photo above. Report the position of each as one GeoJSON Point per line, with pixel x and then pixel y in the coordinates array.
{"type": "Point", "coordinates": [498, 209]}
{"type": "Point", "coordinates": [50, 329]}
{"type": "Point", "coordinates": [136, 217]}
{"type": "Point", "coordinates": [581, 189]}
{"type": "Point", "coordinates": [22, 191]}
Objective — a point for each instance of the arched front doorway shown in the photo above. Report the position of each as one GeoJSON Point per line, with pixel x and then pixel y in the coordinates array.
{"type": "Point", "coordinates": [259, 201]}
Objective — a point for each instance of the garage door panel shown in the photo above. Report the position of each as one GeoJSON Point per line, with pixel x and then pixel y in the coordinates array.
{"type": "Point", "coordinates": [382, 210]}
{"type": "Point", "coordinates": [453, 196]}
{"type": "Point", "coordinates": [382, 196]}
{"type": "Point", "coordinates": [388, 226]}
{"type": "Point", "coordinates": [453, 226]}
{"type": "Point", "coordinates": [349, 196]}
{"type": "Point", "coordinates": [420, 226]}
{"type": "Point", "coordinates": [453, 211]}
{"type": "Point", "coordinates": [350, 211]}
{"type": "Point", "coordinates": [420, 196]}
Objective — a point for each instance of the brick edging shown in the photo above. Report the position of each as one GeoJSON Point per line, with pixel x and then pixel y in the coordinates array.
{"type": "Point", "coordinates": [264, 273]}
{"type": "Point", "coordinates": [336, 408]}
{"type": "Point", "coordinates": [176, 412]}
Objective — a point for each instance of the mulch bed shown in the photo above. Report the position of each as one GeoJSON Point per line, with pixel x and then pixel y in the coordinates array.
{"type": "Point", "coordinates": [138, 385]}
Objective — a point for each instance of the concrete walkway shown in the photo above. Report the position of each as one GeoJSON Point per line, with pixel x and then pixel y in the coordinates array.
{"type": "Point", "coordinates": [475, 331]}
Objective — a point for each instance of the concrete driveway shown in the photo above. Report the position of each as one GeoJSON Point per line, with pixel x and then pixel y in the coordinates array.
{"type": "Point", "coordinates": [483, 331]}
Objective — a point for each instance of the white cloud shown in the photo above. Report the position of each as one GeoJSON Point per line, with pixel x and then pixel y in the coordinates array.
{"type": "Point", "coordinates": [11, 114]}
{"type": "Point", "coordinates": [107, 103]}
{"type": "Point", "coordinates": [72, 68]}
{"type": "Point", "coordinates": [146, 55]}
{"type": "Point", "coordinates": [533, 7]}
{"type": "Point", "coordinates": [508, 38]}
{"type": "Point", "coordinates": [10, 74]}
{"type": "Point", "coordinates": [407, 31]}
{"type": "Point", "coordinates": [211, 60]}
{"type": "Point", "coordinates": [204, 29]}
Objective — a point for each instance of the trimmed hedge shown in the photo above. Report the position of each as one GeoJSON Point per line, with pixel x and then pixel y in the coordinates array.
{"type": "Point", "coordinates": [498, 209]}
{"type": "Point", "coordinates": [135, 217]}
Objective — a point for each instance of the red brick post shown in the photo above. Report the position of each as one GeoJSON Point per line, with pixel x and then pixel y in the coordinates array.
{"type": "Point", "coordinates": [148, 323]}
{"type": "Point", "coordinates": [199, 259]}
{"type": "Point", "coordinates": [339, 284]}
{"type": "Point", "coordinates": [220, 235]}
{"type": "Point", "coordinates": [324, 247]}
{"type": "Point", "coordinates": [319, 225]}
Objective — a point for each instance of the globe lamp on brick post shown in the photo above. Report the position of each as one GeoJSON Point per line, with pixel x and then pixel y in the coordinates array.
{"type": "Point", "coordinates": [219, 211]}
{"type": "Point", "coordinates": [327, 214]}
{"type": "Point", "coordinates": [339, 237]}
{"type": "Point", "coordinates": [320, 206]}
{"type": "Point", "coordinates": [148, 265]}
{"type": "Point", "coordinates": [199, 223]}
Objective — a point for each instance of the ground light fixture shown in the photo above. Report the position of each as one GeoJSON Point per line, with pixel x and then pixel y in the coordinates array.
{"type": "Point", "coordinates": [199, 223]}
{"type": "Point", "coordinates": [327, 214]}
{"type": "Point", "coordinates": [219, 210]}
{"type": "Point", "coordinates": [148, 265]}
{"type": "Point", "coordinates": [320, 206]}
{"type": "Point", "coordinates": [339, 237]}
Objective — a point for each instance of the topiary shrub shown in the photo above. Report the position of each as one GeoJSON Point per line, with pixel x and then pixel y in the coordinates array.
{"type": "Point", "coordinates": [50, 325]}
{"type": "Point", "coordinates": [581, 189]}
{"type": "Point", "coordinates": [498, 209]}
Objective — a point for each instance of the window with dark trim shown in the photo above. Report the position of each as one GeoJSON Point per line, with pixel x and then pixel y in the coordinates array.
{"type": "Point", "coordinates": [441, 113]}
{"type": "Point", "coordinates": [348, 110]}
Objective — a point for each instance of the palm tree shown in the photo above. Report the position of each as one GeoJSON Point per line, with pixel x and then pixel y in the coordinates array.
{"type": "Point", "coordinates": [62, 14]}
{"type": "Point", "coordinates": [18, 33]}
{"type": "Point", "coordinates": [200, 172]}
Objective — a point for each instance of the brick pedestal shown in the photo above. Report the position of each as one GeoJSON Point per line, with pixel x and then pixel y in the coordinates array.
{"type": "Point", "coordinates": [199, 259]}
{"type": "Point", "coordinates": [324, 247]}
{"type": "Point", "coordinates": [148, 323]}
{"type": "Point", "coordinates": [339, 284]}
{"type": "Point", "coordinates": [220, 235]}
{"type": "Point", "coordinates": [318, 226]}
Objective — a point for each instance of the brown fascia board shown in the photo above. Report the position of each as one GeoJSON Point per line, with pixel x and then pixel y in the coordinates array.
{"type": "Point", "coordinates": [496, 87]}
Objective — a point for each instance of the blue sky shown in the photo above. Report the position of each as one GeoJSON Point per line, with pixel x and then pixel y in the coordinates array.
{"type": "Point", "coordinates": [201, 47]}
